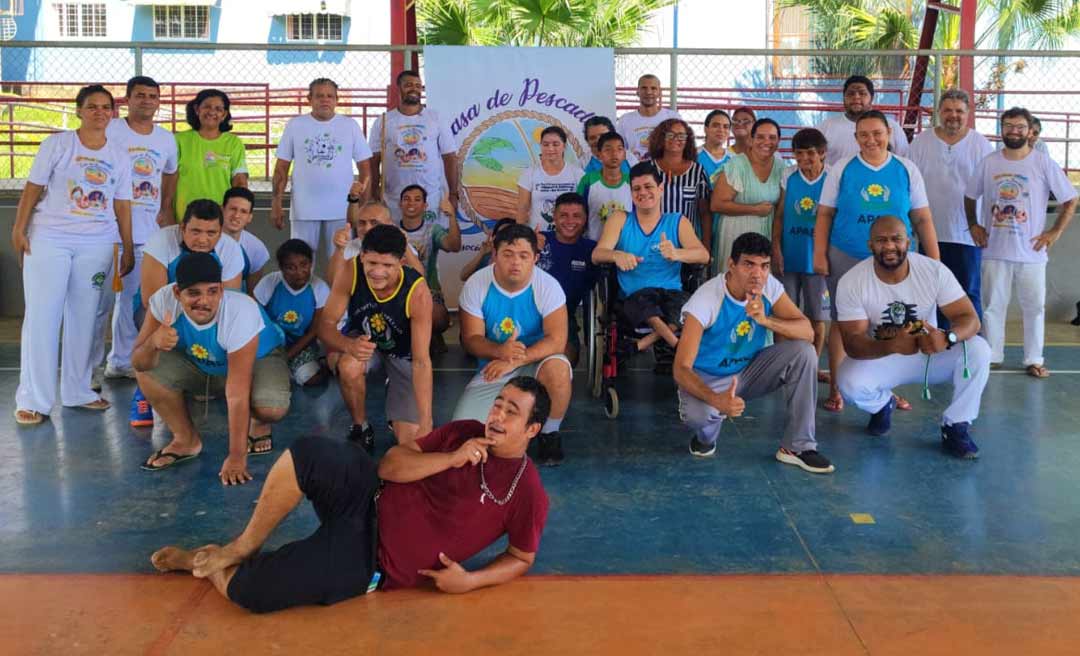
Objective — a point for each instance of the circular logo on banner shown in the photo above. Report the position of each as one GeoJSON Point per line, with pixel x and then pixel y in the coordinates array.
{"type": "Point", "coordinates": [492, 157]}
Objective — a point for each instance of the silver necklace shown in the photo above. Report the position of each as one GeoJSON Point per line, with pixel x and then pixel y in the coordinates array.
{"type": "Point", "coordinates": [485, 491]}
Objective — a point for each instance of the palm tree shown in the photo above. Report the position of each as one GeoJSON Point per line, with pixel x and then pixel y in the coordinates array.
{"type": "Point", "coordinates": [580, 23]}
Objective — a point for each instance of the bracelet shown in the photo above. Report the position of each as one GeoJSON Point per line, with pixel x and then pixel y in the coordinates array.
{"type": "Point", "coordinates": [352, 199]}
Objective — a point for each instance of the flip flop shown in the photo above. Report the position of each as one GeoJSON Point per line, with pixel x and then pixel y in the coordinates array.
{"type": "Point", "coordinates": [162, 453]}
{"type": "Point", "coordinates": [1037, 371]}
{"type": "Point", "coordinates": [902, 403]}
{"type": "Point", "coordinates": [252, 441]}
{"type": "Point", "coordinates": [29, 417]}
{"type": "Point", "coordinates": [98, 406]}
{"type": "Point", "coordinates": [834, 404]}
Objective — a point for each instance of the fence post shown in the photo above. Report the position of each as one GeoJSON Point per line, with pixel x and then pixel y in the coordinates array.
{"type": "Point", "coordinates": [1068, 123]}
{"type": "Point", "coordinates": [939, 71]}
{"type": "Point", "coordinates": [138, 60]}
{"type": "Point", "coordinates": [675, 80]}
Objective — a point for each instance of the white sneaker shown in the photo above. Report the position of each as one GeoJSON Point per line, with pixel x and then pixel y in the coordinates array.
{"type": "Point", "coordinates": [119, 372]}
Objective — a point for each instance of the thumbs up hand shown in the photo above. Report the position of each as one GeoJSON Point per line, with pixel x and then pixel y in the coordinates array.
{"type": "Point", "coordinates": [165, 337]}
{"type": "Point", "coordinates": [667, 248]}
{"type": "Point", "coordinates": [728, 403]}
{"type": "Point", "coordinates": [512, 350]}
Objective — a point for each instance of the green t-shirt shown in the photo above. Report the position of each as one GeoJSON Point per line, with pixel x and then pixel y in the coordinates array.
{"type": "Point", "coordinates": [206, 168]}
{"type": "Point", "coordinates": [427, 240]}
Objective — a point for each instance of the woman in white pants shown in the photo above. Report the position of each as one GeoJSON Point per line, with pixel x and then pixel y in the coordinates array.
{"type": "Point", "coordinates": [74, 208]}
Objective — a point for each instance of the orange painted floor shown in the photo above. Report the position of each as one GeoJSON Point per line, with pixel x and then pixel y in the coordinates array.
{"type": "Point", "coordinates": [831, 615]}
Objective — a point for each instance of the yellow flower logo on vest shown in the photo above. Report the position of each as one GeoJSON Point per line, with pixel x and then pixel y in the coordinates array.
{"type": "Point", "coordinates": [806, 203]}
{"type": "Point", "coordinates": [378, 323]}
{"type": "Point", "coordinates": [199, 351]}
{"type": "Point", "coordinates": [292, 316]}
{"type": "Point", "coordinates": [743, 329]}
{"type": "Point", "coordinates": [506, 326]}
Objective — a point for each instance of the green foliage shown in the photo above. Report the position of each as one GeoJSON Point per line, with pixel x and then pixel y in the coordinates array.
{"type": "Point", "coordinates": [569, 23]}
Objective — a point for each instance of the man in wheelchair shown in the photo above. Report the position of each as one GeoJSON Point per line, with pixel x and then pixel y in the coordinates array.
{"type": "Point", "coordinates": [648, 249]}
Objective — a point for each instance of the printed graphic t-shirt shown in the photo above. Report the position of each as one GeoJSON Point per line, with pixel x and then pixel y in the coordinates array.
{"type": "Point", "coordinates": [151, 156]}
{"type": "Point", "coordinates": [206, 167]}
{"type": "Point", "coordinates": [322, 155]}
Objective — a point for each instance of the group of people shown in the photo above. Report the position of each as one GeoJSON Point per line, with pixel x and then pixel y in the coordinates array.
{"type": "Point", "coordinates": [727, 263]}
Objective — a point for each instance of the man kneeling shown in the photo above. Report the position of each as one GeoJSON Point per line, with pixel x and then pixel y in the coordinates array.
{"type": "Point", "coordinates": [887, 310]}
{"type": "Point", "coordinates": [447, 497]}
{"type": "Point", "coordinates": [201, 339]}
{"type": "Point", "coordinates": [722, 358]}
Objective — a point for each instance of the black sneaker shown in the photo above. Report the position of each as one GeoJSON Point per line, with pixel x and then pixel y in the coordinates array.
{"type": "Point", "coordinates": [363, 437]}
{"type": "Point", "coordinates": [700, 449]}
{"type": "Point", "coordinates": [808, 460]}
{"type": "Point", "coordinates": [956, 441]}
{"type": "Point", "coordinates": [881, 421]}
{"type": "Point", "coordinates": [549, 449]}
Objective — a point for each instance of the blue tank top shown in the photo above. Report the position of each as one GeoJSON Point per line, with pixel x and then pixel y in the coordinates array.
{"type": "Point", "coordinates": [864, 195]}
{"type": "Point", "coordinates": [202, 348]}
{"type": "Point", "coordinates": [654, 270]}
{"type": "Point", "coordinates": [800, 214]}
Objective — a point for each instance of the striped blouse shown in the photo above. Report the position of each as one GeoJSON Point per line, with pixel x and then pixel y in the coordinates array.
{"type": "Point", "coordinates": [683, 193]}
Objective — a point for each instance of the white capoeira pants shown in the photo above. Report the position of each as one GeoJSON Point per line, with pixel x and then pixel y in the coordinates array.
{"type": "Point", "coordinates": [869, 383]}
{"type": "Point", "coordinates": [998, 278]}
{"type": "Point", "coordinates": [62, 284]}
{"type": "Point", "coordinates": [124, 331]}
{"type": "Point", "coordinates": [310, 231]}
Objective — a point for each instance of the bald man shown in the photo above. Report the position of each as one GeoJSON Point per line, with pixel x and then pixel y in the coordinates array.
{"type": "Point", "coordinates": [887, 311]}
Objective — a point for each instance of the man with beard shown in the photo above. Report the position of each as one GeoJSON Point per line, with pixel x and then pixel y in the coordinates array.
{"type": "Point", "coordinates": [887, 308]}
{"type": "Point", "coordinates": [446, 497]}
{"type": "Point", "coordinates": [722, 358]}
{"type": "Point", "coordinates": [839, 129]}
{"type": "Point", "coordinates": [636, 126]}
{"type": "Point", "coordinates": [1014, 185]}
{"type": "Point", "coordinates": [946, 156]}
{"type": "Point", "coordinates": [412, 146]}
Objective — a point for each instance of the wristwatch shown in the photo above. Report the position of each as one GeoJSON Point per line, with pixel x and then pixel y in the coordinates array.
{"type": "Point", "coordinates": [952, 339]}
{"type": "Point", "coordinates": [352, 199]}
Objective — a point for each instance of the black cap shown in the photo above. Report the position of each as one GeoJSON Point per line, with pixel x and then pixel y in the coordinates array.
{"type": "Point", "coordinates": [195, 268]}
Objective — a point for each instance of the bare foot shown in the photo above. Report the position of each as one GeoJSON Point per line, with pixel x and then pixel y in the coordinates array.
{"type": "Point", "coordinates": [173, 559]}
{"type": "Point", "coordinates": [212, 559]}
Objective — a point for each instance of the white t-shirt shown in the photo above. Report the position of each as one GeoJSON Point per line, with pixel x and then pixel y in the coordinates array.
{"type": "Point", "coordinates": [265, 289]}
{"type": "Point", "coordinates": [80, 187]}
{"type": "Point", "coordinates": [151, 156]}
{"type": "Point", "coordinates": [238, 318]}
{"type": "Point", "coordinates": [414, 149]}
{"type": "Point", "coordinates": [946, 170]}
{"type": "Point", "coordinates": [839, 132]}
{"type": "Point", "coordinates": [635, 129]}
{"type": "Point", "coordinates": [322, 153]}
{"type": "Point", "coordinates": [545, 189]}
{"type": "Point", "coordinates": [164, 247]}
{"type": "Point", "coordinates": [861, 295]}
{"type": "Point", "coordinates": [255, 250]}
{"type": "Point", "coordinates": [548, 295]}
{"type": "Point", "coordinates": [1014, 197]}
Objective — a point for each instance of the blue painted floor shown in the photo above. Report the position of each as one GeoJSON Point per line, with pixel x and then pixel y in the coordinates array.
{"type": "Point", "coordinates": [629, 498]}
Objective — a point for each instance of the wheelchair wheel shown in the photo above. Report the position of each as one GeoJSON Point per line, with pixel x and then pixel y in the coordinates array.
{"type": "Point", "coordinates": [597, 372]}
{"type": "Point", "coordinates": [611, 403]}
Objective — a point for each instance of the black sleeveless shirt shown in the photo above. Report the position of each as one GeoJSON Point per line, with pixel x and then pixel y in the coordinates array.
{"type": "Point", "coordinates": [386, 321]}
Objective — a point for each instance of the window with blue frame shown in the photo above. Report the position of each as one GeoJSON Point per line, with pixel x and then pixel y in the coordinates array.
{"type": "Point", "coordinates": [81, 19]}
{"type": "Point", "coordinates": [313, 27]}
{"type": "Point", "coordinates": [182, 22]}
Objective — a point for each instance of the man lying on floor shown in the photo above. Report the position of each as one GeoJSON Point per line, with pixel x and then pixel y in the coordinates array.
{"type": "Point", "coordinates": [446, 497]}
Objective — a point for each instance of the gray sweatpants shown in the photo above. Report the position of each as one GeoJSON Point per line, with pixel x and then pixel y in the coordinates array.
{"type": "Point", "coordinates": [791, 365]}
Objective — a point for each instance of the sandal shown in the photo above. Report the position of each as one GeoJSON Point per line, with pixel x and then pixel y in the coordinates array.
{"type": "Point", "coordinates": [29, 417]}
{"type": "Point", "coordinates": [162, 453]}
{"type": "Point", "coordinates": [255, 442]}
{"type": "Point", "coordinates": [902, 403]}
{"type": "Point", "coordinates": [99, 405]}
{"type": "Point", "coordinates": [834, 404]}
{"type": "Point", "coordinates": [1037, 371]}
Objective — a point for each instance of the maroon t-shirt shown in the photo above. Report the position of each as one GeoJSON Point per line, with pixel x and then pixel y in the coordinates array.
{"type": "Point", "coordinates": [443, 512]}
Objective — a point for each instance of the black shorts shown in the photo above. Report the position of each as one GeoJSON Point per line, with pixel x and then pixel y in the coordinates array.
{"type": "Point", "coordinates": [650, 302]}
{"type": "Point", "coordinates": [337, 561]}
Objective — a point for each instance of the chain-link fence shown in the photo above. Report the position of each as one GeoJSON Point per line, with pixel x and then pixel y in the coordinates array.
{"type": "Point", "coordinates": [267, 85]}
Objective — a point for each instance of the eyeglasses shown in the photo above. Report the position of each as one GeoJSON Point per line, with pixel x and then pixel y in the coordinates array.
{"type": "Point", "coordinates": [1014, 127]}
{"type": "Point", "coordinates": [676, 136]}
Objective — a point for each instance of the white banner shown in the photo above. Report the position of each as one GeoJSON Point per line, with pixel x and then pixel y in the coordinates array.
{"type": "Point", "coordinates": [497, 101]}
